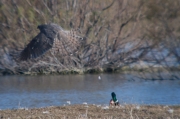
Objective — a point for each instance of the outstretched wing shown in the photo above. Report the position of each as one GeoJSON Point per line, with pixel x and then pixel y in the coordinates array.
{"type": "Point", "coordinates": [52, 36]}
{"type": "Point", "coordinates": [37, 47]}
{"type": "Point", "coordinates": [67, 43]}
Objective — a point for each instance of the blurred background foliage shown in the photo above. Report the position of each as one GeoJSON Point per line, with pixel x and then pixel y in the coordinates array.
{"type": "Point", "coordinates": [110, 24]}
{"type": "Point", "coordinates": [19, 19]}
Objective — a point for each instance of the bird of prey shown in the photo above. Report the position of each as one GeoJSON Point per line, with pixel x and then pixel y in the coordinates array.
{"type": "Point", "coordinates": [52, 37]}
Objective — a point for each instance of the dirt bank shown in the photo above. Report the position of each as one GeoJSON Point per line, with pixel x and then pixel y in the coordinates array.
{"type": "Point", "coordinates": [94, 112]}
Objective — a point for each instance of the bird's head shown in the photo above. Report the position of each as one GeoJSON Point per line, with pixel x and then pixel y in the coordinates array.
{"type": "Point", "coordinates": [40, 26]}
{"type": "Point", "coordinates": [113, 96]}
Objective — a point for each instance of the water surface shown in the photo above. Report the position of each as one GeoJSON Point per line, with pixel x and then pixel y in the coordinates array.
{"type": "Point", "coordinates": [42, 91]}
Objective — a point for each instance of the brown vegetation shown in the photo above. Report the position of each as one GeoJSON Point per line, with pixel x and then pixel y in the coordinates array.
{"type": "Point", "coordinates": [95, 112]}
{"type": "Point", "coordinates": [117, 33]}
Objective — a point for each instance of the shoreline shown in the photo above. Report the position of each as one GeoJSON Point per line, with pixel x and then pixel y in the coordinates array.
{"type": "Point", "coordinates": [82, 71]}
{"type": "Point", "coordinates": [82, 111]}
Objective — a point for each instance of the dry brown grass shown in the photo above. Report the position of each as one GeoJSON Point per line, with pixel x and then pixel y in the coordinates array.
{"type": "Point", "coordinates": [95, 112]}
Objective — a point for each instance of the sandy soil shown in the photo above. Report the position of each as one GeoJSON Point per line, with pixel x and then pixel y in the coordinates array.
{"type": "Point", "coordinates": [94, 112]}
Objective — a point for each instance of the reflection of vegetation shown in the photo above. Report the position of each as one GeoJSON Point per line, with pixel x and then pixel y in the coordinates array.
{"type": "Point", "coordinates": [108, 27]}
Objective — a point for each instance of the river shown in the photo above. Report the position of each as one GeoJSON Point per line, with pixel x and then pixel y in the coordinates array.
{"type": "Point", "coordinates": [56, 90]}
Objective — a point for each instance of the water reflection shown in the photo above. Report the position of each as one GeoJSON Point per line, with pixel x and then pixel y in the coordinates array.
{"type": "Point", "coordinates": [40, 91]}
{"type": "Point", "coordinates": [47, 83]}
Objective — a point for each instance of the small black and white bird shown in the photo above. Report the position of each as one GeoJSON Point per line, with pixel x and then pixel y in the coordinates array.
{"type": "Point", "coordinates": [52, 37]}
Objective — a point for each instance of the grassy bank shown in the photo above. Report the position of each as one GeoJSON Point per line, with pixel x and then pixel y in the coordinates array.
{"type": "Point", "coordinates": [88, 70]}
{"type": "Point", "coordinates": [95, 112]}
